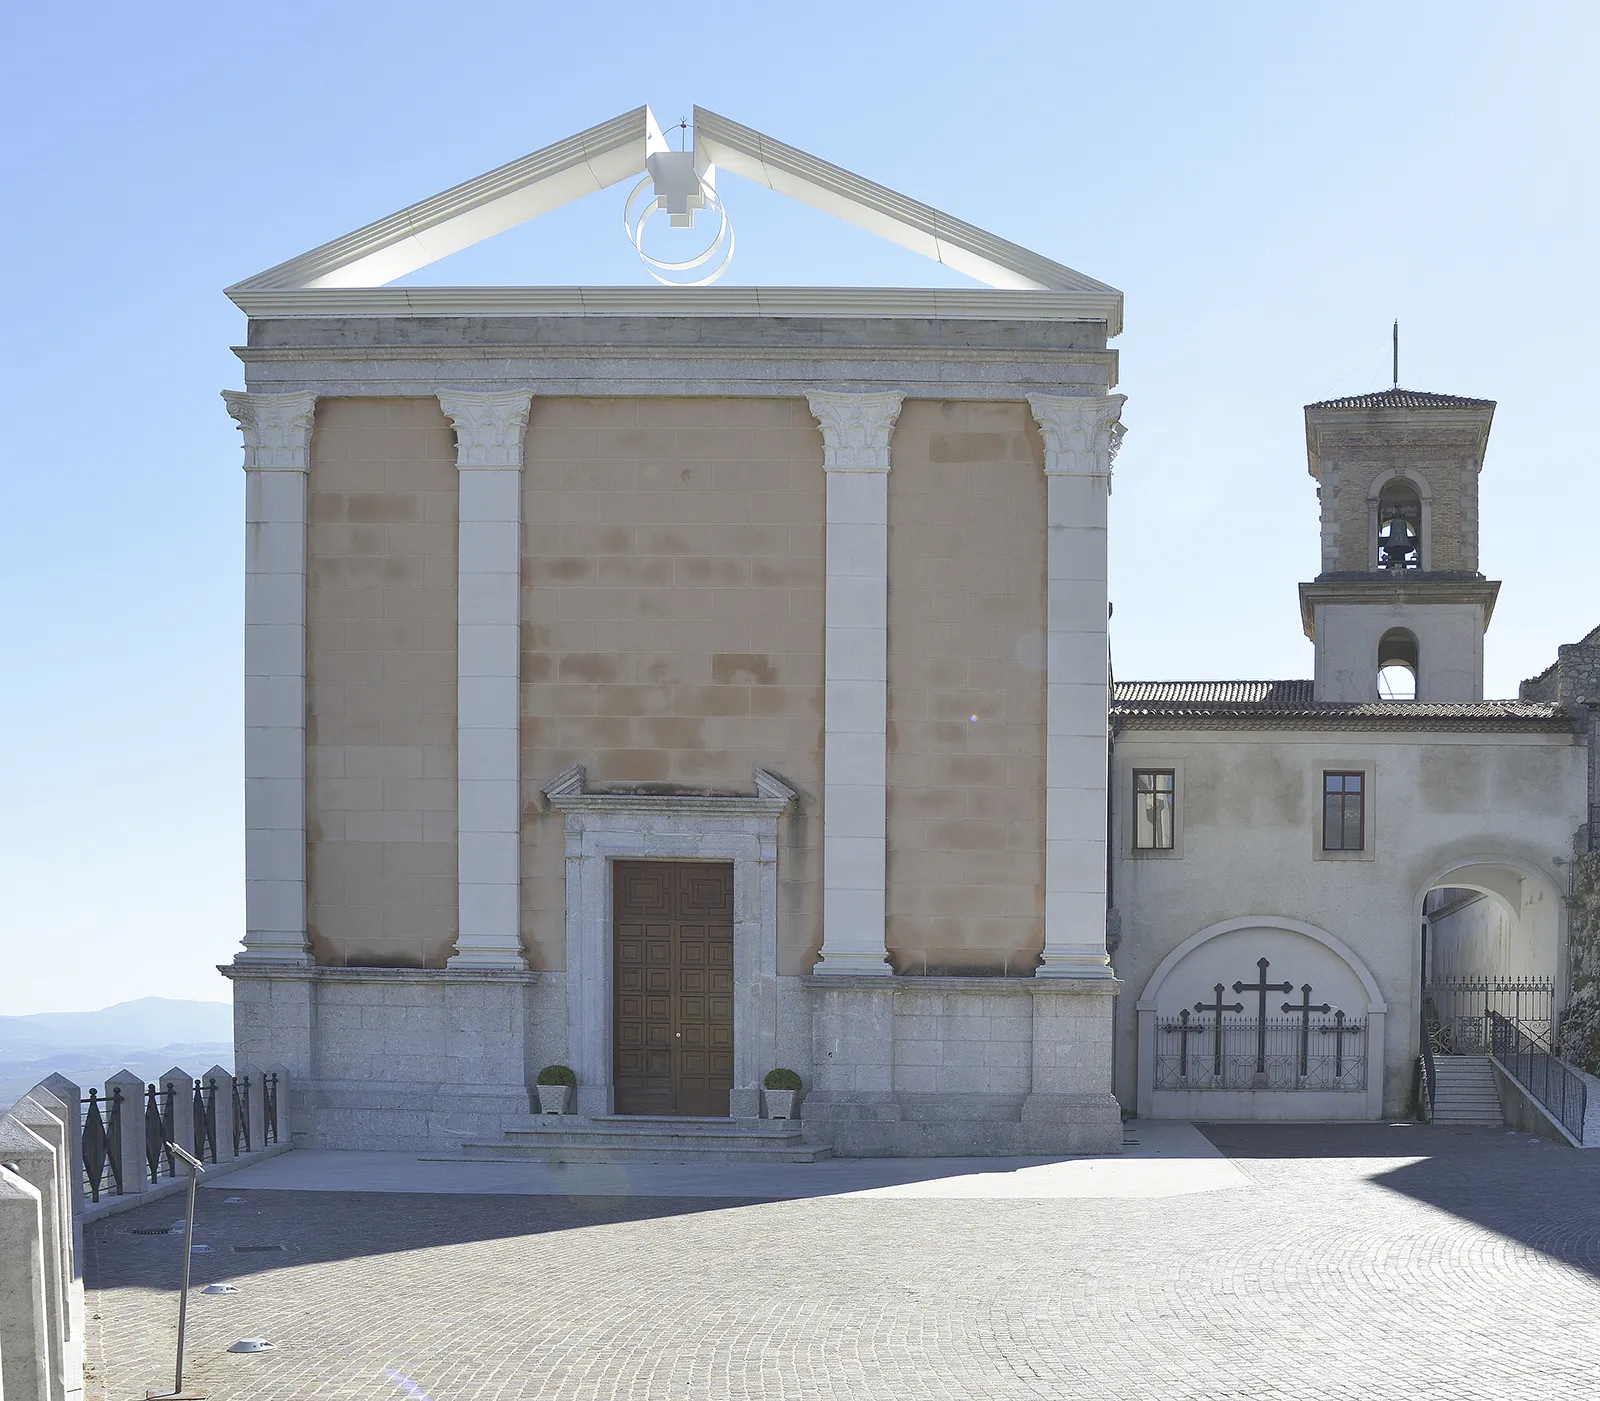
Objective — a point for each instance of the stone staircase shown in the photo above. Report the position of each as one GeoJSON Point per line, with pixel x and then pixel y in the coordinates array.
{"type": "Point", "coordinates": [1464, 1091]}
{"type": "Point", "coordinates": [640, 1138]}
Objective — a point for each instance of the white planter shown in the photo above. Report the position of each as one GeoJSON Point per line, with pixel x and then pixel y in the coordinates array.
{"type": "Point", "coordinates": [780, 1103]}
{"type": "Point", "coordinates": [553, 1098]}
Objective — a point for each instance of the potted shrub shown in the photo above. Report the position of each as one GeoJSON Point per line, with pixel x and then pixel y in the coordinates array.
{"type": "Point", "coordinates": [555, 1084]}
{"type": "Point", "coordinates": [780, 1089]}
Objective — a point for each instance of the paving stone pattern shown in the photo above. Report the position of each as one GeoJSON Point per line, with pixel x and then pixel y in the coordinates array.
{"type": "Point", "coordinates": [1344, 1270]}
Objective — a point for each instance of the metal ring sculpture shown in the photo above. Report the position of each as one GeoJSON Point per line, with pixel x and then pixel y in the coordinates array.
{"type": "Point", "coordinates": [634, 218]}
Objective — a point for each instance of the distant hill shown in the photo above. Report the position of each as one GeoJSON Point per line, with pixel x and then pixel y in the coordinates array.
{"type": "Point", "coordinates": [148, 1036]}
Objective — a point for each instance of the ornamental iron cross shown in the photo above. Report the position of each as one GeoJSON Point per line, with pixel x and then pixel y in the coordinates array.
{"type": "Point", "coordinates": [1185, 1031]}
{"type": "Point", "coordinates": [1218, 1007]}
{"type": "Point", "coordinates": [1339, 1031]}
{"type": "Point", "coordinates": [1305, 1009]}
{"type": "Point", "coordinates": [1262, 987]}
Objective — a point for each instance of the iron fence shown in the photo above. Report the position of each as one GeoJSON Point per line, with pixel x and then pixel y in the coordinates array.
{"type": "Point", "coordinates": [269, 1110]}
{"type": "Point", "coordinates": [1457, 1012]}
{"type": "Point", "coordinates": [1548, 1079]}
{"type": "Point", "coordinates": [1245, 1053]}
{"type": "Point", "coordinates": [102, 1142]}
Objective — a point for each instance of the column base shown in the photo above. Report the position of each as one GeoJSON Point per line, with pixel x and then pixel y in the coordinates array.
{"type": "Point", "coordinates": [274, 950]}
{"type": "Point", "coordinates": [485, 955]}
{"type": "Point", "coordinates": [1075, 964]}
{"type": "Point", "coordinates": [852, 963]}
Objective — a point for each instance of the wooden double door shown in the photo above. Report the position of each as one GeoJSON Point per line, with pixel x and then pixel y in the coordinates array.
{"type": "Point", "coordinates": [672, 981]}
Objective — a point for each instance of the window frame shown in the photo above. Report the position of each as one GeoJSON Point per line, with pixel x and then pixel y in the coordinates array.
{"type": "Point", "coordinates": [1123, 806]}
{"type": "Point", "coordinates": [1135, 795]}
{"type": "Point", "coordinates": [1324, 769]}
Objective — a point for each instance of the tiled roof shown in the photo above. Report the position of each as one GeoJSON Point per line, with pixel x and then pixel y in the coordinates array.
{"type": "Point", "coordinates": [1398, 398]}
{"type": "Point", "coordinates": [1289, 705]}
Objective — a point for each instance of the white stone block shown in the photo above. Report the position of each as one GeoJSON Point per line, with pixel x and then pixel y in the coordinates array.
{"type": "Point", "coordinates": [853, 914]}
{"type": "Point", "coordinates": [275, 598]}
{"type": "Point", "coordinates": [275, 702]}
{"type": "Point", "coordinates": [856, 654]}
{"type": "Point", "coordinates": [1075, 866]}
{"type": "Point", "coordinates": [1075, 708]}
{"type": "Point", "coordinates": [275, 753]}
{"type": "Point", "coordinates": [274, 649]}
{"type": "Point", "coordinates": [275, 497]}
{"type": "Point", "coordinates": [856, 810]}
{"type": "Point", "coordinates": [1077, 605]}
{"type": "Point", "coordinates": [275, 547]}
{"type": "Point", "coordinates": [855, 707]}
{"type": "Point", "coordinates": [488, 908]}
{"type": "Point", "coordinates": [493, 546]}
{"type": "Point", "coordinates": [274, 904]}
{"type": "Point", "coordinates": [857, 549]}
{"type": "Point", "coordinates": [853, 863]}
{"type": "Point", "coordinates": [855, 754]}
{"type": "Point", "coordinates": [489, 496]}
{"type": "Point", "coordinates": [488, 805]}
{"type": "Point", "coordinates": [487, 754]}
{"type": "Point", "coordinates": [275, 854]}
{"type": "Point", "coordinates": [1076, 761]}
{"type": "Point", "coordinates": [1075, 814]}
{"type": "Point", "coordinates": [856, 601]}
{"type": "Point", "coordinates": [488, 597]}
{"type": "Point", "coordinates": [274, 803]}
{"type": "Point", "coordinates": [1079, 654]}
{"type": "Point", "coordinates": [487, 649]}
{"type": "Point", "coordinates": [858, 497]}
{"type": "Point", "coordinates": [489, 858]}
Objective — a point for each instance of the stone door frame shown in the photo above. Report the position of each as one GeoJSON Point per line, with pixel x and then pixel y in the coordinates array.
{"type": "Point", "coordinates": [606, 827]}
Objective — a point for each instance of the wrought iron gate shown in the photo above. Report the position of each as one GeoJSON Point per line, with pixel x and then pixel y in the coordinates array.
{"type": "Point", "coordinates": [1456, 1012]}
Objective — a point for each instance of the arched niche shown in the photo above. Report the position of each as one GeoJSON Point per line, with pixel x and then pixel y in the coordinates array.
{"type": "Point", "coordinates": [1297, 953]}
{"type": "Point", "coordinates": [1394, 494]}
{"type": "Point", "coordinates": [1399, 666]}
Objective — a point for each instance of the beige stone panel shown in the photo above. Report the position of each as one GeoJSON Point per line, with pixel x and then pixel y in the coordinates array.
{"type": "Point", "coordinates": [672, 623]}
{"type": "Point", "coordinates": [966, 619]}
{"type": "Point", "coordinates": [381, 667]}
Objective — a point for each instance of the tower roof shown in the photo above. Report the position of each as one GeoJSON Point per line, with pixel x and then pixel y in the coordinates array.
{"type": "Point", "coordinates": [1398, 398]}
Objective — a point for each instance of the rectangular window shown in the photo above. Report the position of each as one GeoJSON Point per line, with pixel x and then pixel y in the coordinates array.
{"type": "Point", "coordinates": [1344, 812]}
{"type": "Point", "coordinates": [1154, 798]}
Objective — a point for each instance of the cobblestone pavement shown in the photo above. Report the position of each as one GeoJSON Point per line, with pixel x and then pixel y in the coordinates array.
{"type": "Point", "coordinates": [1358, 1262]}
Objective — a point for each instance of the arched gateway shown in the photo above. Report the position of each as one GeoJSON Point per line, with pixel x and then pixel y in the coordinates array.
{"type": "Point", "coordinates": [1261, 1017]}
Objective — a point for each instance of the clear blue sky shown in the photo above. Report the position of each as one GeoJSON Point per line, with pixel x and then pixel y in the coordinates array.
{"type": "Point", "coordinates": [1271, 185]}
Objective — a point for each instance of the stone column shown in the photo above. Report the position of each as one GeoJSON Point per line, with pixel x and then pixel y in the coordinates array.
{"type": "Point", "coordinates": [34, 1160]}
{"type": "Point", "coordinates": [24, 1319]}
{"type": "Point", "coordinates": [855, 436]}
{"type": "Point", "coordinates": [1081, 436]}
{"type": "Point", "coordinates": [277, 458]}
{"type": "Point", "coordinates": [489, 429]}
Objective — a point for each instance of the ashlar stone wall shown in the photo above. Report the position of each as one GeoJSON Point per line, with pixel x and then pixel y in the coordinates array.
{"type": "Point", "coordinates": [381, 672]}
{"type": "Point", "coordinates": [966, 690]}
{"type": "Point", "coordinates": [672, 624]}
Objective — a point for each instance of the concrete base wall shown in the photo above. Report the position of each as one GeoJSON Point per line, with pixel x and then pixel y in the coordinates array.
{"type": "Point", "coordinates": [418, 1059]}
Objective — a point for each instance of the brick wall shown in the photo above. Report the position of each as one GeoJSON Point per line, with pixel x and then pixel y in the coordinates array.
{"type": "Point", "coordinates": [672, 623]}
{"type": "Point", "coordinates": [381, 668]}
{"type": "Point", "coordinates": [966, 630]}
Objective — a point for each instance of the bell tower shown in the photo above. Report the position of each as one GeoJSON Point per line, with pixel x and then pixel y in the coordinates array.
{"type": "Point", "coordinates": [1400, 608]}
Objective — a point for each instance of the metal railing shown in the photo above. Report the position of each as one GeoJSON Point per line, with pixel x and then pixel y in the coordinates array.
{"type": "Point", "coordinates": [1461, 1008]}
{"type": "Point", "coordinates": [102, 1142]}
{"type": "Point", "coordinates": [1548, 1079]}
{"type": "Point", "coordinates": [1243, 1053]}
{"type": "Point", "coordinates": [269, 1110]}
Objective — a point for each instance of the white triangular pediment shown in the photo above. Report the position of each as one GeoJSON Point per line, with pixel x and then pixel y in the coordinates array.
{"type": "Point", "coordinates": [617, 150]}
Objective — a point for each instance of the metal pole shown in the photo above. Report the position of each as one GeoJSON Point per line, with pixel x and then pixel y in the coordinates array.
{"type": "Point", "coordinates": [195, 1169]}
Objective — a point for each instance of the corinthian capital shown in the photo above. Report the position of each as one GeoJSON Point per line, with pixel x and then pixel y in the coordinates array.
{"type": "Point", "coordinates": [489, 427]}
{"type": "Point", "coordinates": [1081, 432]}
{"type": "Point", "coordinates": [856, 429]}
{"type": "Point", "coordinates": [276, 428]}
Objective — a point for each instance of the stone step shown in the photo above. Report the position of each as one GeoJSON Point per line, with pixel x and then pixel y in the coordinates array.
{"type": "Point", "coordinates": [646, 1124]}
{"type": "Point", "coordinates": [622, 1138]}
{"type": "Point", "coordinates": [529, 1148]}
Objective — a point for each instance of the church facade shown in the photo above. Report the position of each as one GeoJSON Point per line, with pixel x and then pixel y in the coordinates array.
{"type": "Point", "coordinates": [679, 684]}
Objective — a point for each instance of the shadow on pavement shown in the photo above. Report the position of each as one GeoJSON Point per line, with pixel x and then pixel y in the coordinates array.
{"type": "Point", "coordinates": [1545, 1195]}
{"type": "Point", "coordinates": [280, 1230]}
